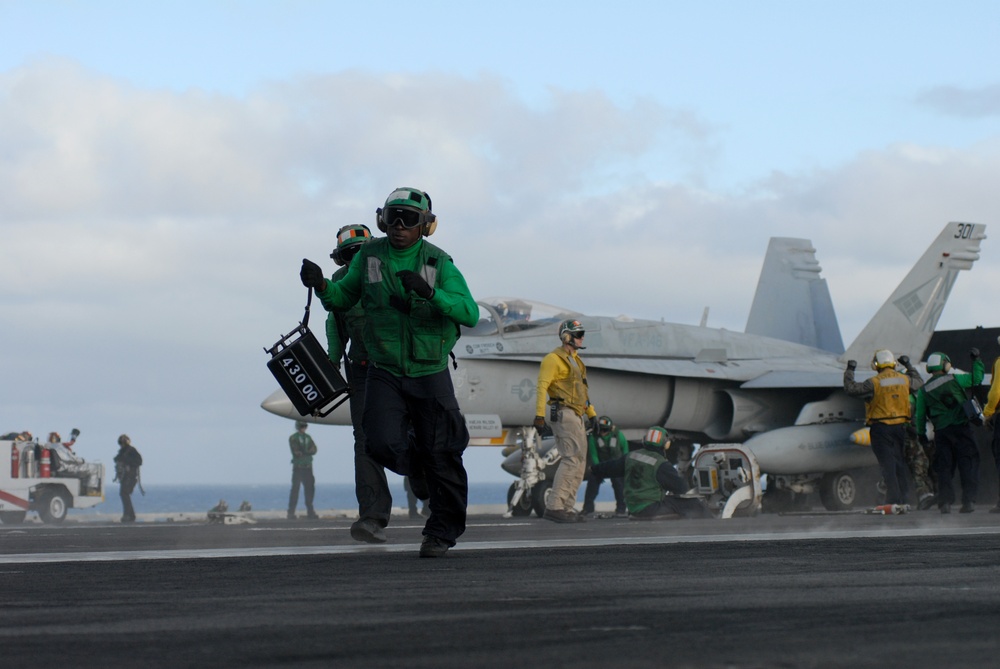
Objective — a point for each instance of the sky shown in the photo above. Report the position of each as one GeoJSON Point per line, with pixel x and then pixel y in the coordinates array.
{"type": "Point", "coordinates": [165, 166]}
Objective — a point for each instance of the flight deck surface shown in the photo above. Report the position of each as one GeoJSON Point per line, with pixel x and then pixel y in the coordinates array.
{"type": "Point", "coordinates": [809, 590]}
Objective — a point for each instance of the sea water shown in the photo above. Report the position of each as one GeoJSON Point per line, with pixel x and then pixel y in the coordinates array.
{"type": "Point", "coordinates": [274, 497]}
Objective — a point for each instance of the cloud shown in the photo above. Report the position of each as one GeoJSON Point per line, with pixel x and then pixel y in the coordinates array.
{"type": "Point", "coordinates": [152, 239]}
{"type": "Point", "coordinates": [981, 102]}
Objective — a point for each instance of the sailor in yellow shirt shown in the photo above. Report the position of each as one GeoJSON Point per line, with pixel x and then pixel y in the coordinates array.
{"type": "Point", "coordinates": [562, 384]}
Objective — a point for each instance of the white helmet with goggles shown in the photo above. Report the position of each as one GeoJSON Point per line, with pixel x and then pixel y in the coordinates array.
{"type": "Point", "coordinates": [882, 359]}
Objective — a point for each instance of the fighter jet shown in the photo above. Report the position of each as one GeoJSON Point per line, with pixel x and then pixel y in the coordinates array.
{"type": "Point", "coordinates": [772, 394]}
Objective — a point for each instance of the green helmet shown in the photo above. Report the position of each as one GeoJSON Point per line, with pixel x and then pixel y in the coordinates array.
{"type": "Point", "coordinates": [657, 438]}
{"type": "Point", "coordinates": [605, 424]}
{"type": "Point", "coordinates": [412, 205]}
{"type": "Point", "coordinates": [349, 240]}
{"type": "Point", "coordinates": [299, 424]}
{"type": "Point", "coordinates": [569, 329]}
{"type": "Point", "coordinates": [938, 362]}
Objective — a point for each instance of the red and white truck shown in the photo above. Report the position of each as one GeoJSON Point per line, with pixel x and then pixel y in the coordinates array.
{"type": "Point", "coordinates": [48, 478]}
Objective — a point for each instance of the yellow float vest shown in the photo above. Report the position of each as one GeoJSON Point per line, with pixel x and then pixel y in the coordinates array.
{"type": "Point", "coordinates": [891, 401]}
{"type": "Point", "coordinates": [572, 390]}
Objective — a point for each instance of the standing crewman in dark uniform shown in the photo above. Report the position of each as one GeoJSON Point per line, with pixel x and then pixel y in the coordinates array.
{"type": "Point", "coordinates": [606, 443]}
{"type": "Point", "coordinates": [887, 411]}
{"type": "Point", "coordinates": [990, 413]}
{"type": "Point", "coordinates": [653, 486]}
{"type": "Point", "coordinates": [562, 383]}
{"type": "Point", "coordinates": [370, 485]}
{"type": "Point", "coordinates": [127, 464]}
{"type": "Point", "coordinates": [941, 400]}
{"type": "Point", "coordinates": [414, 299]}
{"type": "Point", "coordinates": [303, 449]}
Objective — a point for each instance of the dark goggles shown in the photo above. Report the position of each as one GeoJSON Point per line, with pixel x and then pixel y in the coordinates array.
{"type": "Point", "coordinates": [577, 335]}
{"type": "Point", "coordinates": [398, 216]}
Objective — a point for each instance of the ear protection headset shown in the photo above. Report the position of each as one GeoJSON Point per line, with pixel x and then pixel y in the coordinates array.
{"type": "Point", "coordinates": [414, 199]}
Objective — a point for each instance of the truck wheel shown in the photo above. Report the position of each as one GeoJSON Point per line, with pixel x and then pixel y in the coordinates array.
{"type": "Point", "coordinates": [12, 517]}
{"type": "Point", "coordinates": [53, 506]}
{"type": "Point", "coordinates": [524, 505]}
{"type": "Point", "coordinates": [539, 493]}
{"type": "Point", "coordinates": [837, 491]}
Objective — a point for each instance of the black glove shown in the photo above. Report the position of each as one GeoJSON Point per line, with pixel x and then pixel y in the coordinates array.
{"type": "Point", "coordinates": [974, 353]}
{"type": "Point", "coordinates": [852, 365]}
{"type": "Point", "coordinates": [311, 275]}
{"type": "Point", "coordinates": [399, 304]}
{"type": "Point", "coordinates": [539, 422]}
{"type": "Point", "coordinates": [904, 360]}
{"type": "Point", "coordinates": [415, 283]}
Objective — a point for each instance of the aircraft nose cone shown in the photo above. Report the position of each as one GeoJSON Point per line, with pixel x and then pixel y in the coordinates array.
{"type": "Point", "coordinates": [279, 404]}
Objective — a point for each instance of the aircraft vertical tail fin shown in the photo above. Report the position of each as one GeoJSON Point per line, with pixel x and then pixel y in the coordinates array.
{"type": "Point", "coordinates": [908, 318]}
{"type": "Point", "coordinates": [792, 301]}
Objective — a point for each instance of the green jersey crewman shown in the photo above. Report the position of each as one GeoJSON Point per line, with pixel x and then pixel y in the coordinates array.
{"type": "Point", "coordinates": [606, 443]}
{"type": "Point", "coordinates": [303, 449]}
{"type": "Point", "coordinates": [342, 328]}
{"type": "Point", "coordinates": [414, 299]}
{"type": "Point", "coordinates": [940, 401]}
{"type": "Point", "coordinates": [653, 488]}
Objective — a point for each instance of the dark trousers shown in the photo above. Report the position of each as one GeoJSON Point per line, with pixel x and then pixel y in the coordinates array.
{"type": "Point", "coordinates": [392, 405]}
{"type": "Point", "coordinates": [125, 492]}
{"type": "Point", "coordinates": [302, 476]}
{"type": "Point", "coordinates": [888, 445]}
{"type": "Point", "coordinates": [955, 448]}
{"type": "Point", "coordinates": [995, 445]}
{"type": "Point", "coordinates": [370, 485]}
{"type": "Point", "coordinates": [593, 487]}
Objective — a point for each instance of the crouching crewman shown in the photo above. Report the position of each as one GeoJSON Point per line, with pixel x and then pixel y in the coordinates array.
{"type": "Point", "coordinates": [653, 487]}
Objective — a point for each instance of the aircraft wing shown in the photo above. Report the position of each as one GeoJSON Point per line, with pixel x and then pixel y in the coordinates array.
{"type": "Point", "coordinates": [749, 373]}
{"type": "Point", "coordinates": [798, 379]}
{"type": "Point", "coordinates": [695, 369]}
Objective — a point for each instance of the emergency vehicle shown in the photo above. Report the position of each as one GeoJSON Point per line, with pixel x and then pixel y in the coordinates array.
{"type": "Point", "coordinates": [47, 478]}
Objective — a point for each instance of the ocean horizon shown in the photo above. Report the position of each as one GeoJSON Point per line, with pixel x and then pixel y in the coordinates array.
{"type": "Point", "coordinates": [274, 497]}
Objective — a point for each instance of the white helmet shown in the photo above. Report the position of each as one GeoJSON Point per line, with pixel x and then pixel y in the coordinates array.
{"type": "Point", "coordinates": [883, 358]}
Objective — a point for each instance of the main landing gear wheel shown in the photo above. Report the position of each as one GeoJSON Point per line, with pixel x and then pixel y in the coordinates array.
{"type": "Point", "coordinates": [539, 493]}
{"type": "Point", "coordinates": [524, 505]}
{"type": "Point", "coordinates": [838, 491]}
{"type": "Point", "coordinates": [53, 506]}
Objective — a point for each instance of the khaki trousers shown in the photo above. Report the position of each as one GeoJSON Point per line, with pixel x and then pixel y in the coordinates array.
{"type": "Point", "coordinates": [571, 440]}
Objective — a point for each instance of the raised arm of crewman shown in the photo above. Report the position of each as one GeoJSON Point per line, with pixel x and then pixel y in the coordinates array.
{"type": "Point", "coordinates": [450, 294]}
{"type": "Point", "coordinates": [866, 388]}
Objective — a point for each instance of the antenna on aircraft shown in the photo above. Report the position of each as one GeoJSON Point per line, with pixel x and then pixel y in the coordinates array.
{"type": "Point", "coordinates": [704, 318]}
